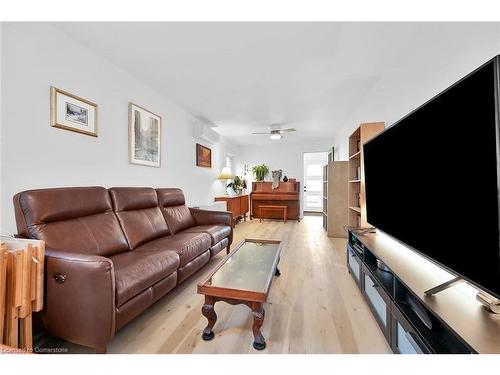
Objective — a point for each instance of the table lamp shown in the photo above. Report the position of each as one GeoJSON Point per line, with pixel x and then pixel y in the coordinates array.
{"type": "Point", "coordinates": [226, 175]}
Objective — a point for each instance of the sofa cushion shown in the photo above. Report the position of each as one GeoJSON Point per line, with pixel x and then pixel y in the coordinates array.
{"type": "Point", "coordinates": [174, 209]}
{"type": "Point", "coordinates": [217, 232]}
{"type": "Point", "coordinates": [76, 219]}
{"type": "Point", "coordinates": [187, 245]}
{"type": "Point", "coordinates": [178, 218]}
{"type": "Point", "coordinates": [168, 197]}
{"type": "Point", "coordinates": [139, 214]}
{"type": "Point", "coordinates": [191, 267]}
{"type": "Point", "coordinates": [214, 250]}
{"type": "Point", "coordinates": [136, 271]}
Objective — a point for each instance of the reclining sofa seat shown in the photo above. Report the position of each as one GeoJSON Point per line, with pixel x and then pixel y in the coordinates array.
{"type": "Point", "coordinates": [115, 251]}
{"type": "Point", "coordinates": [142, 276]}
{"type": "Point", "coordinates": [181, 219]}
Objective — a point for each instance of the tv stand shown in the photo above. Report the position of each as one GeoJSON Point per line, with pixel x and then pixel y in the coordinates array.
{"type": "Point", "coordinates": [411, 320]}
{"type": "Point", "coordinates": [362, 231]}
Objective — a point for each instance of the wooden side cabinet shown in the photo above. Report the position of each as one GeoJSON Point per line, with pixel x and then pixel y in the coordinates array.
{"type": "Point", "coordinates": [238, 205]}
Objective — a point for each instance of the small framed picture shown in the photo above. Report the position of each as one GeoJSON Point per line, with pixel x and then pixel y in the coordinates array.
{"type": "Point", "coordinates": [70, 112]}
{"type": "Point", "coordinates": [144, 136]}
{"type": "Point", "coordinates": [203, 156]}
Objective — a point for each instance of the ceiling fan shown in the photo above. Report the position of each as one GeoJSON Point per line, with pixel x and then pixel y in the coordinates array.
{"type": "Point", "coordinates": [276, 133]}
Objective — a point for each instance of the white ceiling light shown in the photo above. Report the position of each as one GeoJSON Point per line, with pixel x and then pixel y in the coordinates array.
{"type": "Point", "coordinates": [276, 133]}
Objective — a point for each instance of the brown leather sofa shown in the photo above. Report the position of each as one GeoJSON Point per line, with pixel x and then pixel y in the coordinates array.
{"type": "Point", "coordinates": [112, 253]}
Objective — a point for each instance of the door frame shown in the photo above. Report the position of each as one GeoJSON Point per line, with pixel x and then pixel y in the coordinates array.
{"type": "Point", "coordinates": [304, 186]}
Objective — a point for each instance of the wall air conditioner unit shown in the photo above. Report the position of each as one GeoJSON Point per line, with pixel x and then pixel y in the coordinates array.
{"type": "Point", "coordinates": [205, 133]}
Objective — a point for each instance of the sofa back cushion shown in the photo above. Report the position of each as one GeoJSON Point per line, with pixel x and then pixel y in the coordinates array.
{"type": "Point", "coordinates": [174, 209]}
{"type": "Point", "coordinates": [76, 219]}
{"type": "Point", "coordinates": [139, 215]}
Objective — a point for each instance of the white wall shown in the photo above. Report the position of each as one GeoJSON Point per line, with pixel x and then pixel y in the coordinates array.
{"type": "Point", "coordinates": [36, 56]}
{"type": "Point", "coordinates": [454, 52]}
{"type": "Point", "coordinates": [281, 155]}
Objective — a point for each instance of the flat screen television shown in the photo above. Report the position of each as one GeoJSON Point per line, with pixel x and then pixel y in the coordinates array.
{"type": "Point", "coordinates": [432, 178]}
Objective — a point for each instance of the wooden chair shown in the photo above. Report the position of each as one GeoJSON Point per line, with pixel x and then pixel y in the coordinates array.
{"type": "Point", "coordinates": [273, 207]}
{"type": "Point", "coordinates": [21, 291]}
{"type": "Point", "coordinates": [3, 288]}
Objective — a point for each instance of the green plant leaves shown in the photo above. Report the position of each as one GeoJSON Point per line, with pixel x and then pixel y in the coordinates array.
{"type": "Point", "coordinates": [260, 172]}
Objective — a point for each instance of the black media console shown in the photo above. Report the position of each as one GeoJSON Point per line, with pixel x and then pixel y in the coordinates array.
{"type": "Point", "coordinates": [408, 325]}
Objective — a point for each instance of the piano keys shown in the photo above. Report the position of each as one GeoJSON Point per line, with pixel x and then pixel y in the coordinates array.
{"type": "Point", "coordinates": [287, 194]}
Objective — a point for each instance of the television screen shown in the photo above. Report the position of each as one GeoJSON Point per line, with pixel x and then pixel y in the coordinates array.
{"type": "Point", "coordinates": [431, 179]}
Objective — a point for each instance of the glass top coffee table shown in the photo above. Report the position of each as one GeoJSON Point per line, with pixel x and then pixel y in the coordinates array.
{"type": "Point", "coordinates": [244, 276]}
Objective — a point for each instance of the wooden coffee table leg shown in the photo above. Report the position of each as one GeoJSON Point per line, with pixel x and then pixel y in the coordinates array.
{"type": "Point", "coordinates": [259, 343]}
{"type": "Point", "coordinates": [209, 312]}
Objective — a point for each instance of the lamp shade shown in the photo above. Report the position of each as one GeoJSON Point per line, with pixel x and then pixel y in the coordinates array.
{"type": "Point", "coordinates": [225, 174]}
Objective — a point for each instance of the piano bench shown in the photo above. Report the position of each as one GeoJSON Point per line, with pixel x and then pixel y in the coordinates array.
{"type": "Point", "coordinates": [273, 207]}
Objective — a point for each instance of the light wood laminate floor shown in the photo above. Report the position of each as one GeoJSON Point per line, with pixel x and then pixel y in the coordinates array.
{"type": "Point", "coordinates": [313, 307]}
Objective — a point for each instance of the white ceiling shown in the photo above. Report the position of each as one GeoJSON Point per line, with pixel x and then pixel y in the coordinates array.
{"type": "Point", "coordinates": [242, 77]}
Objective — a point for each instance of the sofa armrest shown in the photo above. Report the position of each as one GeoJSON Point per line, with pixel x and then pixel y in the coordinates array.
{"type": "Point", "coordinates": [203, 217]}
{"type": "Point", "coordinates": [79, 297]}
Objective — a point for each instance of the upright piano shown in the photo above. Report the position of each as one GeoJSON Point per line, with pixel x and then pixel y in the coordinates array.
{"type": "Point", "coordinates": [286, 194]}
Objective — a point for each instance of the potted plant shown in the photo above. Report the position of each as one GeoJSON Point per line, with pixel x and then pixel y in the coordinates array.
{"type": "Point", "coordinates": [260, 172]}
{"type": "Point", "coordinates": [237, 184]}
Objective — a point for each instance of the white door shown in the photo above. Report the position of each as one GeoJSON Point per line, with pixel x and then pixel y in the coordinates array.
{"type": "Point", "coordinates": [313, 180]}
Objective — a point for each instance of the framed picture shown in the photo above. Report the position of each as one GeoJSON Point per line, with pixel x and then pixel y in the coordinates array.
{"type": "Point", "coordinates": [68, 111]}
{"type": "Point", "coordinates": [144, 136]}
{"type": "Point", "coordinates": [203, 156]}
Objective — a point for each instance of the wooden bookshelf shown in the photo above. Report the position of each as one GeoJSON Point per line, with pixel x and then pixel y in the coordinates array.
{"type": "Point", "coordinates": [335, 198]}
{"type": "Point", "coordinates": [325, 198]}
{"type": "Point", "coordinates": [356, 186]}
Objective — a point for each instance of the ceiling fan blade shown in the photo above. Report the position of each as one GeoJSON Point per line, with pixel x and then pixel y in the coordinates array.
{"type": "Point", "coordinates": [289, 130]}
{"type": "Point", "coordinates": [262, 133]}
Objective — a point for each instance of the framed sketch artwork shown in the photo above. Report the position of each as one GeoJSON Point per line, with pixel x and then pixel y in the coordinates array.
{"type": "Point", "coordinates": [203, 156]}
{"type": "Point", "coordinates": [144, 136]}
{"type": "Point", "coordinates": [68, 111]}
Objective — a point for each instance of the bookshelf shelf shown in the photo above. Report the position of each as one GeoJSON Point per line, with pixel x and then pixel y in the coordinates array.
{"type": "Point", "coordinates": [357, 205]}
{"type": "Point", "coordinates": [355, 155]}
